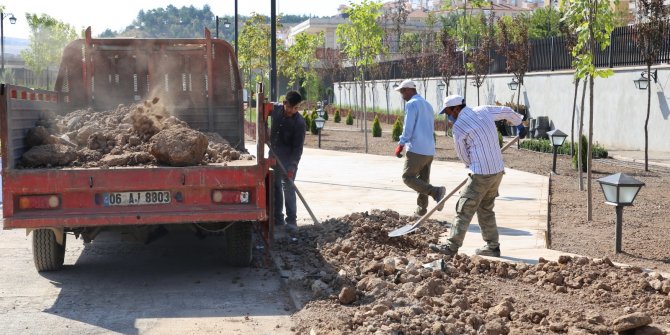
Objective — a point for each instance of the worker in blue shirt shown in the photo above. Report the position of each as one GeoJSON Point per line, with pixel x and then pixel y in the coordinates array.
{"type": "Point", "coordinates": [417, 135]}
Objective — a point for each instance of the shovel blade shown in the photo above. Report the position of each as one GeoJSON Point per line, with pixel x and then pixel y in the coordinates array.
{"type": "Point", "coordinates": [403, 230]}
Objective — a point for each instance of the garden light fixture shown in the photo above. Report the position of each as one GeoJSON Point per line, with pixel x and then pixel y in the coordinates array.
{"type": "Point", "coordinates": [642, 83]}
{"type": "Point", "coordinates": [320, 122]}
{"type": "Point", "coordinates": [620, 190]}
{"type": "Point", "coordinates": [513, 85]}
{"type": "Point", "coordinates": [557, 138]}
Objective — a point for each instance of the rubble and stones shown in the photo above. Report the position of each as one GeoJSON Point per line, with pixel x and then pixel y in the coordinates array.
{"type": "Point", "coordinates": [141, 134]}
{"type": "Point", "coordinates": [399, 286]}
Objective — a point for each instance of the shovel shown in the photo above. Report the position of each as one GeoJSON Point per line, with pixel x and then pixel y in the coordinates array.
{"type": "Point", "coordinates": [410, 228]}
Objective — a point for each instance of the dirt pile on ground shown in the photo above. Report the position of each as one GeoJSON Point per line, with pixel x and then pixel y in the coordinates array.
{"type": "Point", "coordinates": [360, 281]}
{"type": "Point", "coordinates": [141, 134]}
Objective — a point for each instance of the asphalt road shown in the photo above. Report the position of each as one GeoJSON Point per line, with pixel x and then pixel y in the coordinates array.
{"type": "Point", "coordinates": [175, 285]}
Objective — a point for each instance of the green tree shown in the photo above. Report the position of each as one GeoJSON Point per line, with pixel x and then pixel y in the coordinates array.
{"type": "Point", "coordinates": [515, 46]}
{"type": "Point", "coordinates": [299, 61]}
{"type": "Point", "coordinates": [594, 21]}
{"type": "Point", "coordinates": [481, 57]}
{"type": "Point", "coordinates": [376, 127]}
{"type": "Point", "coordinates": [544, 23]}
{"type": "Point", "coordinates": [652, 34]}
{"type": "Point", "coordinates": [48, 38]}
{"type": "Point", "coordinates": [361, 41]}
{"type": "Point", "coordinates": [254, 50]}
{"type": "Point", "coordinates": [396, 131]}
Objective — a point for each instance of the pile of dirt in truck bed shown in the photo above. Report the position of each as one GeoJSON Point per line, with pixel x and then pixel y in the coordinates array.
{"type": "Point", "coordinates": [141, 134]}
{"type": "Point", "coordinates": [360, 281]}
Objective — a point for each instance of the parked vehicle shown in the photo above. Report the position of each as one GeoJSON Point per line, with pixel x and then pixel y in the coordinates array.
{"type": "Point", "coordinates": [201, 79]}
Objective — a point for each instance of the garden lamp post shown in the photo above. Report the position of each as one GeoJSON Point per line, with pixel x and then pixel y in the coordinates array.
{"type": "Point", "coordinates": [642, 83]}
{"type": "Point", "coordinates": [557, 138]}
{"type": "Point", "coordinates": [620, 190]}
{"type": "Point", "coordinates": [226, 24]}
{"type": "Point", "coordinates": [320, 122]}
{"type": "Point", "coordinates": [339, 98]}
{"type": "Point", "coordinates": [12, 20]}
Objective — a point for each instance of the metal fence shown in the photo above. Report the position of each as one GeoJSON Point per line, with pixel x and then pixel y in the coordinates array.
{"type": "Point", "coordinates": [550, 54]}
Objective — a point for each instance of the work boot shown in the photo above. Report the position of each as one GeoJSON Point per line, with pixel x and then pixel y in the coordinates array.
{"type": "Point", "coordinates": [291, 227]}
{"type": "Point", "coordinates": [419, 212]}
{"type": "Point", "coordinates": [443, 249]}
{"type": "Point", "coordinates": [439, 194]}
{"type": "Point", "coordinates": [486, 251]}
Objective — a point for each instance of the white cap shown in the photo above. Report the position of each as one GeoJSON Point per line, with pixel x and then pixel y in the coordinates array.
{"type": "Point", "coordinates": [406, 84]}
{"type": "Point", "coordinates": [452, 100]}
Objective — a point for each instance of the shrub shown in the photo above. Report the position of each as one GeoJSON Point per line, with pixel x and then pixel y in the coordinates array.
{"type": "Point", "coordinates": [337, 118]}
{"type": "Point", "coordinates": [500, 139]}
{"type": "Point", "coordinates": [325, 115]}
{"type": "Point", "coordinates": [396, 130]}
{"type": "Point", "coordinates": [544, 145]}
{"type": "Point", "coordinates": [350, 119]}
{"type": "Point", "coordinates": [376, 127]}
{"type": "Point", "coordinates": [312, 126]}
{"type": "Point", "coordinates": [308, 122]}
{"type": "Point", "coordinates": [575, 162]}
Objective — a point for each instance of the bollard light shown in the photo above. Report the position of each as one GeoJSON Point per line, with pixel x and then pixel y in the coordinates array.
{"type": "Point", "coordinates": [620, 190]}
{"type": "Point", "coordinates": [320, 122]}
{"type": "Point", "coordinates": [557, 138]}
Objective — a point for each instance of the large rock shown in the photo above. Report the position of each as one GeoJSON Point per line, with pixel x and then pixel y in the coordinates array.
{"type": "Point", "coordinates": [347, 295]}
{"type": "Point", "coordinates": [179, 146]}
{"type": "Point", "coordinates": [631, 321]}
{"type": "Point", "coordinates": [49, 155]}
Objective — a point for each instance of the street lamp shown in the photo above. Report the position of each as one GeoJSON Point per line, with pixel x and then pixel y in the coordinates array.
{"type": "Point", "coordinates": [339, 100]}
{"type": "Point", "coordinates": [12, 20]}
{"type": "Point", "coordinates": [557, 138]}
{"type": "Point", "coordinates": [226, 24]}
{"type": "Point", "coordinates": [513, 85]}
{"type": "Point", "coordinates": [642, 83]}
{"type": "Point", "coordinates": [320, 122]}
{"type": "Point", "coordinates": [620, 190]}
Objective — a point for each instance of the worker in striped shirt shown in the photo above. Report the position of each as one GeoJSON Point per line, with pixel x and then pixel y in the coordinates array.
{"type": "Point", "coordinates": [477, 145]}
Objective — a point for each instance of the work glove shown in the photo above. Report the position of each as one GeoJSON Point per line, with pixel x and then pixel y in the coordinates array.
{"type": "Point", "coordinates": [290, 174]}
{"type": "Point", "coordinates": [398, 150]}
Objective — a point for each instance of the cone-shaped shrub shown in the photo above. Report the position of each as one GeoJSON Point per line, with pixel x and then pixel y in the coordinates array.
{"type": "Point", "coordinates": [337, 118]}
{"type": "Point", "coordinates": [350, 119]}
{"type": "Point", "coordinates": [376, 127]}
{"type": "Point", "coordinates": [397, 130]}
{"type": "Point", "coordinates": [312, 126]}
{"type": "Point", "coordinates": [308, 122]}
{"type": "Point", "coordinates": [575, 164]}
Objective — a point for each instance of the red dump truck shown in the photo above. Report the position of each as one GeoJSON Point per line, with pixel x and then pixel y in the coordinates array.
{"type": "Point", "coordinates": [201, 77]}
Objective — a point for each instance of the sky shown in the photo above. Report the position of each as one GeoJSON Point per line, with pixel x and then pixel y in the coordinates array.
{"type": "Point", "coordinates": [117, 14]}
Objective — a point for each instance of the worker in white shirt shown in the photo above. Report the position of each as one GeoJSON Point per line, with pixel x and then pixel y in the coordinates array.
{"type": "Point", "coordinates": [476, 141]}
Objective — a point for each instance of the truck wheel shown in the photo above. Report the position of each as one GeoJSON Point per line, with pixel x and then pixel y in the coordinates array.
{"type": "Point", "coordinates": [239, 244]}
{"type": "Point", "coordinates": [48, 255]}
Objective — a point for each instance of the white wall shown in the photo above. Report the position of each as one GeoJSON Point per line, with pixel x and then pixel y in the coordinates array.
{"type": "Point", "coordinates": [620, 108]}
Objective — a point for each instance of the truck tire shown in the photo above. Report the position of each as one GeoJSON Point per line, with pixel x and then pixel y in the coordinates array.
{"type": "Point", "coordinates": [239, 244]}
{"type": "Point", "coordinates": [48, 255]}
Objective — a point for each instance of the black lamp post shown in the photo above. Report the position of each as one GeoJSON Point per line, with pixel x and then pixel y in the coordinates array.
{"type": "Point", "coordinates": [441, 87]}
{"type": "Point", "coordinates": [620, 190]}
{"type": "Point", "coordinates": [320, 122]}
{"type": "Point", "coordinates": [12, 20]}
{"type": "Point", "coordinates": [557, 138]}
{"type": "Point", "coordinates": [339, 99]}
{"type": "Point", "coordinates": [513, 85]}
{"type": "Point", "coordinates": [642, 83]}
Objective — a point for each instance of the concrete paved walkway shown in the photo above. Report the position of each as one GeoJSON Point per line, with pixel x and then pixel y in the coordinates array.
{"type": "Point", "coordinates": [337, 183]}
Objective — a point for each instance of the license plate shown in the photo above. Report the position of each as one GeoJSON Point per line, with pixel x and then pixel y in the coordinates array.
{"type": "Point", "coordinates": [136, 198]}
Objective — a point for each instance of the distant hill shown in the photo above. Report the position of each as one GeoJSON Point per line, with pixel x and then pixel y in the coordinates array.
{"type": "Point", "coordinates": [13, 46]}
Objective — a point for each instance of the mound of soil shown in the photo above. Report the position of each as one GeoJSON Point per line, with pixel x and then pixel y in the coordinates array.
{"type": "Point", "coordinates": [141, 134]}
{"type": "Point", "coordinates": [357, 280]}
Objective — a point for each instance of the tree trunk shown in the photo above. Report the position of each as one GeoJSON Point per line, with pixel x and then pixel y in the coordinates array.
{"type": "Point", "coordinates": [365, 115]}
{"type": "Point", "coordinates": [446, 119]}
{"type": "Point", "coordinates": [589, 152]}
{"type": "Point", "coordinates": [478, 103]}
{"type": "Point", "coordinates": [572, 125]}
{"type": "Point", "coordinates": [580, 148]}
{"type": "Point", "coordinates": [646, 121]}
{"type": "Point", "coordinates": [388, 113]}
